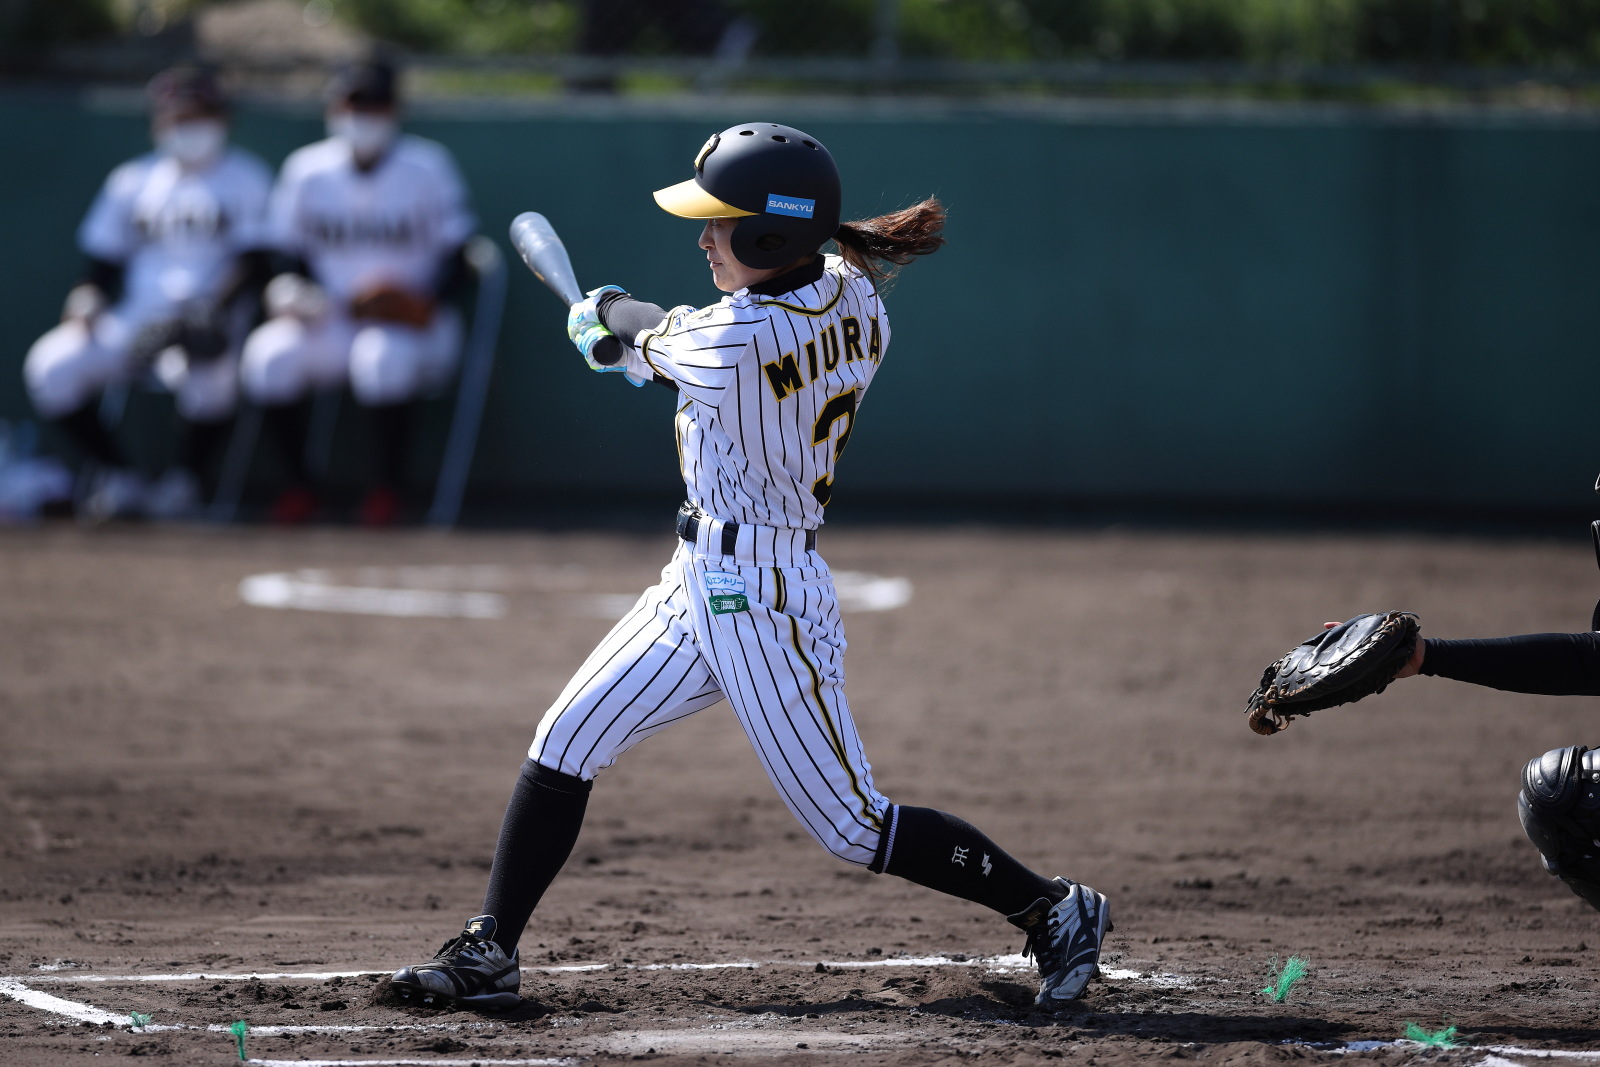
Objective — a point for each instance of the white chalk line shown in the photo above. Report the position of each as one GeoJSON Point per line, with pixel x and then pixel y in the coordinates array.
{"type": "Point", "coordinates": [475, 1062]}
{"type": "Point", "coordinates": [19, 987]}
{"type": "Point", "coordinates": [449, 592]}
{"type": "Point", "coordinates": [15, 988]}
{"type": "Point", "coordinates": [1003, 964]}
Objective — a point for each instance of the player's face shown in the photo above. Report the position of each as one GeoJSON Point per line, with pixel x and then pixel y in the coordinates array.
{"type": "Point", "coordinates": [369, 131]}
{"type": "Point", "coordinates": [191, 134]}
{"type": "Point", "coordinates": [727, 273]}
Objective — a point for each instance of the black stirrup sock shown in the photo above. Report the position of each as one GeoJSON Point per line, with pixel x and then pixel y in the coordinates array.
{"type": "Point", "coordinates": [198, 443]}
{"type": "Point", "coordinates": [288, 425]}
{"type": "Point", "coordinates": [540, 828]}
{"type": "Point", "coordinates": [937, 850]}
{"type": "Point", "coordinates": [391, 441]}
{"type": "Point", "coordinates": [85, 430]}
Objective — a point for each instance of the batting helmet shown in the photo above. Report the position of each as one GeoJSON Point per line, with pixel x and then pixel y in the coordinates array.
{"type": "Point", "coordinates": [778, 179]}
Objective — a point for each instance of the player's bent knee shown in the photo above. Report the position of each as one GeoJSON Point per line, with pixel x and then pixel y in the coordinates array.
{"type": "Point", "coordinates": [59, 371]}
{"type": "Point", "coordinates": [385, 364]}
{"type": "Point", "coordinates": [1559, 807]}
{"type": "Point", "coordinates": [207, 393]}
{"type": "Point", "coordinates": [272, 366]}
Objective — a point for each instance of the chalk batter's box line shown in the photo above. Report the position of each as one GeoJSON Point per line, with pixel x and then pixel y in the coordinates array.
{"type": "Point", "coordinates": [17, 988]}
{"type": "Point", "coordinates": [20, 987]}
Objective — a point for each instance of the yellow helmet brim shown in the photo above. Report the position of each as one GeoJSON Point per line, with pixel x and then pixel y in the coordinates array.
{"type": "Point", "coordinates": [688, 200]}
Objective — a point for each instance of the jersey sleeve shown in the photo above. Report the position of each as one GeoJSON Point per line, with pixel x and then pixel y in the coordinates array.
{"type": "Point", "coordinates": [107, 231]}
{"type": "Point", "coordinates": [251, 194]}
{"type": "Point", "coordinates": [699, 351]}
{"type": "Point", "coordinates": [281, 230]}
{"type": "Point", "coordinates": [456, 220]}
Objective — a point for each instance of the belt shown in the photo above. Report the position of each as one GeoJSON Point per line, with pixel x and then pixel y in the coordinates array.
{"type": "Point", "coordinates": [690, 518]}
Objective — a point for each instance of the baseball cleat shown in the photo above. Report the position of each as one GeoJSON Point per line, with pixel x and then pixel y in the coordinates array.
{"type": "Point", "coordinates": [1064, 939]}
{"type": "Point", "coordinates": [470, 969]}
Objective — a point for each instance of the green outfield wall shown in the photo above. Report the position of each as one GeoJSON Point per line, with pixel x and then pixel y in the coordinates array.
{"type": "Point", "coordinates": [1195, 304]}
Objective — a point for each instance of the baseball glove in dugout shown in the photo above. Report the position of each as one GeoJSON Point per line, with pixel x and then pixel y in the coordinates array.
{"type": "Point", "coordinates": [1338, 666]}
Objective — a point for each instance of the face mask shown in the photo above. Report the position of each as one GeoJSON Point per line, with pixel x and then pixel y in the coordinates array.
{"type": "Point", "coordinates": [193, 143]}
{"type": "Point", "coordinates": [369, 136]}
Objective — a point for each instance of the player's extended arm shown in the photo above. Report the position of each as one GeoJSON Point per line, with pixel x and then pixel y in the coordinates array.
{"type": "Point", "coordinates": [610, 312]}
{"type": "Point", "coordinates": [97, 290]}
{"type": "Point", "coordinates": [1552, 664]}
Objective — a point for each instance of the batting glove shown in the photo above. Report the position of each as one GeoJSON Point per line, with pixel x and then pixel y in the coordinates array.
{"type": "Point", "coordinates": [585, 329]}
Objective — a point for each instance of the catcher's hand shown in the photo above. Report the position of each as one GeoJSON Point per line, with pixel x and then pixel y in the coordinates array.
{"type": "Point", "coordinates": [1340, 665]}
{"type": "Point", "coordinates": [386, 303]}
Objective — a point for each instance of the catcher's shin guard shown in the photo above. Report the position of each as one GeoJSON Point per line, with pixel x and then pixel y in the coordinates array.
{"type": "Point", "coordinates": [1559, 807]}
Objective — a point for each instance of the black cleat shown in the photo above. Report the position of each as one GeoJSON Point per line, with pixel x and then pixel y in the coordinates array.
{"type": "Point", "coordinates": [470, 969]}
{"type": "Point", "coordinates": [1064, 939]}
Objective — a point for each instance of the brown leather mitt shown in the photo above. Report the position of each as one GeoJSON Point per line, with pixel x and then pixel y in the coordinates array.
{"type": "Point", "coordinates": [389, 304]}
{"type": "Point", "coordinates": [1338, 666]}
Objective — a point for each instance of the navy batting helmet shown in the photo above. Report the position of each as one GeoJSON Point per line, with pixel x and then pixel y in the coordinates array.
{"type": "Point", "coordinates": [779, 180]}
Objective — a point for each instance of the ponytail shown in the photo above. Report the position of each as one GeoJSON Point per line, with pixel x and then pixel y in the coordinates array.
{"type": "Point", "coordinates": [879, 247]}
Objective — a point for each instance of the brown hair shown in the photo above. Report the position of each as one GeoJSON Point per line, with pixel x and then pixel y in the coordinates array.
{"type": "Point", "coordinates": [879, 247]}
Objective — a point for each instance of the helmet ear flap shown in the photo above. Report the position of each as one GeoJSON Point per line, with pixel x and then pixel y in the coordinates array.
{"type": "Point", "coordinates": [765, 242]}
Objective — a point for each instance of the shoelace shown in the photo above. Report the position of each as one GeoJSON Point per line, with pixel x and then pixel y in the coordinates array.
{"type": "Point", "coordinates": [1043, 947]}
{"type": "Point", "coordinates": [453, 948]}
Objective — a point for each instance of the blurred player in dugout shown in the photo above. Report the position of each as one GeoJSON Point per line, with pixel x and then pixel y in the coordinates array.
{"type": "Point", "coordinates": [373, 225]}
{"type": "Point", "coordinates": [174, 242]}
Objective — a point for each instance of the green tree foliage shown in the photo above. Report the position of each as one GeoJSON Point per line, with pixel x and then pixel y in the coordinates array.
{"type": "Point", "coordinates": [1553, 34]}
{"type": "Point", "coordinates": [473, 27]}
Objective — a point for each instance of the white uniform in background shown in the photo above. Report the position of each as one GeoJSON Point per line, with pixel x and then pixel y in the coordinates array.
{"type": "Point", "coordinates": [178, 234]}
{"type": "Point", "coordinates": [393, 225]}
{"type": "Point", "coordinates": [770, 387]}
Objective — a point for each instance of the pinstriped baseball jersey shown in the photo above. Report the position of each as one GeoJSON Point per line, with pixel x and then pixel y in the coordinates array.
{"type": "Point", "coordinates": [770, 388]}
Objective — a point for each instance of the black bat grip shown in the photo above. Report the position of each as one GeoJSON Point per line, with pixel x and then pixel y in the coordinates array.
{"type": "Point", "coordinates": [607, 351]}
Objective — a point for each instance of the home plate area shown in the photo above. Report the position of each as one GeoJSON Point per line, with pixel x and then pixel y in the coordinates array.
{"type": "Point", "coordinates": [578, 1012]}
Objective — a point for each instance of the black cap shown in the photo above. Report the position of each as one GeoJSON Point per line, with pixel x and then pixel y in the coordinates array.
{"type": "Point", "coordinates": [365, 85]}
{"type": "Point", "coordinates": [187, 87]}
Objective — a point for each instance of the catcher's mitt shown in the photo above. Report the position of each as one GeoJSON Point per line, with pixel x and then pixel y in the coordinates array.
{"type": "Point", "coordinates": [1338, 666]}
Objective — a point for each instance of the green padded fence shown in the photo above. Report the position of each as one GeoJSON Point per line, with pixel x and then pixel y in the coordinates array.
{"type": "Point", "coordinates": [1140, 301]}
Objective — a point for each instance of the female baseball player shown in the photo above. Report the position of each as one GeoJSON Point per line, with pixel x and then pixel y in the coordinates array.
{"type": "Point", "coordinates": [770, 381]}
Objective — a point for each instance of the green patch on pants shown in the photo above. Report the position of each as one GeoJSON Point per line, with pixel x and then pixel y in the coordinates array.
{"type": "Point", "coordinates": [726, 603]}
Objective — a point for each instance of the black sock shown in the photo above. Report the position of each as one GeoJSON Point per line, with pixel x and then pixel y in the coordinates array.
{"type": "Point", "coordinates": [540, 828]}
{"type": "Point", "coordinates": [198, 442]}
{"type": "Point", "coordinates": [85, 430]}
{"type": "Point", "coordinates": [391, 438]}
{"type": "Point", "coordinates": [937, 850]}
{"type": "Point", "coordinates": [287, 426]}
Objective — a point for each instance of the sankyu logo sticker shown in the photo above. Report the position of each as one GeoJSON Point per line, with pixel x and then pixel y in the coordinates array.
{"type": "Point", "coordinates": [725, 593]}
{"type": "Point", "coordinates": [799, 207]}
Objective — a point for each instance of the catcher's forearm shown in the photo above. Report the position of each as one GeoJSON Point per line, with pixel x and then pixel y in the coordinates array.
{"type": "Point", "coordinates": [1552, 664]}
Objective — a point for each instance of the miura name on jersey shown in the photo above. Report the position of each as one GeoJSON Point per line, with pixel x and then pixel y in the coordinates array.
{"type": "Point", "coordinates": [823, 355]}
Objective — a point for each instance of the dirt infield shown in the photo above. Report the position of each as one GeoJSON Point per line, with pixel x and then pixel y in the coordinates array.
{"type": "Point", "coordinates": [193, 786]}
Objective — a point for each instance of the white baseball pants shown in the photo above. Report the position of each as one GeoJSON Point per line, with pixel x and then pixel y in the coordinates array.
{"type": "Point", "coordinates": [761, 628]}
{"type": "Point", "coordinates": [384, 363]}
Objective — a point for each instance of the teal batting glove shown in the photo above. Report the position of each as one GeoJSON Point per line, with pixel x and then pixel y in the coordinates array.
{"type": "Point", "coordinates": [585, 329]}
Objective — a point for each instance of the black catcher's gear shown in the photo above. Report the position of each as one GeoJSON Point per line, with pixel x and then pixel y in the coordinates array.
{"type": "Point", "coordinates": [1560, 811]}
{"type": "Point", "coordinates": [1338, 666]}
{"type": "Point", "coordinates": [779, 181]}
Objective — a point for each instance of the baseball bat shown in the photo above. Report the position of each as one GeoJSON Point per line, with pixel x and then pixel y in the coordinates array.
{"type": "Point", "coordinates": [541, 249]}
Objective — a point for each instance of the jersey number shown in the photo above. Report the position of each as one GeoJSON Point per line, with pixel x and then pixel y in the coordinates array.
{"type": "Point", "coordinates": [843, 407]}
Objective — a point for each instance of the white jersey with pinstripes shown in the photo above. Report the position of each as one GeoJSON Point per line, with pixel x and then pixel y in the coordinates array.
{"type": "Point", "coordinates": [770, 387]}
